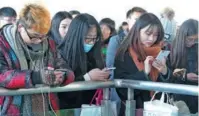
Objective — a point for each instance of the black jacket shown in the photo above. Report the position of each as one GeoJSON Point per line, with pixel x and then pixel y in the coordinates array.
{"type": "Point", "coordinates": [192, 67]}
{"type": "Point", "coordinates": [69, 100]}
{"type": "Point", "coordinates": [127, 69]}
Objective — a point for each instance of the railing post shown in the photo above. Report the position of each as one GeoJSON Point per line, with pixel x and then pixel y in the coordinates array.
{"type": "Point", "coordinates": [130, 103]}
{"type": "Point", "coordinates": [106, 103]}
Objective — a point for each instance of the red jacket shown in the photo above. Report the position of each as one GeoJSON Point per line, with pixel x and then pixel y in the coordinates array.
{"type": "Point", "coordinates": [11, 77]}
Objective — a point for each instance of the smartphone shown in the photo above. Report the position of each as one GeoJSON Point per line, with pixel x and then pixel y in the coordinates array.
{"type": "Point", "coordinates": [179, 72]}
{"type": "Point", "coordinates": [62, 70]}
{"type": "Point", "coordinates": [162, 54]}
{"type": "Point", "coordinates": [111, 68]}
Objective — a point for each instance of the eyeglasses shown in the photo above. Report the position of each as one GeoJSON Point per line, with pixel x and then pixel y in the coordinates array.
{"type": "Point", "coordinates": [89, 39]}
{"type": "Point", "coordinates": [35, 36]}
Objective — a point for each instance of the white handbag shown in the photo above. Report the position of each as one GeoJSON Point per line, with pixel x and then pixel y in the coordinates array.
{"type": "Point", "coordinates": [91, 110]}
{"type": "Point", "coordinates": [159, 108]}
{"type": "Point", "coordinates": [96, 110]}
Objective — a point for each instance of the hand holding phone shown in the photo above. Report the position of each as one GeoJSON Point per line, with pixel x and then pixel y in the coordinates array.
{"type": "Point", "coordinates": [162, 54]}
{"type": "Point", "coordinates": [179, 72]}
{"type": "Point", "coordinates": [99, 75]}
{"type": "Point", "coordinates": [147, 64]}
{"type": "Point", "coordinates": [160, 61]}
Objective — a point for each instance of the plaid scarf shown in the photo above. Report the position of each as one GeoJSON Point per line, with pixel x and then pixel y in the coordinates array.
{"type": "Point", "coordinates": [31, 103]}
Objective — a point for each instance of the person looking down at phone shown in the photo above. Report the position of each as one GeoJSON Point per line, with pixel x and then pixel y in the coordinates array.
{"type": "Point", "coordinates": [184, 60]}
{"type": "Point", "coordinates": [136, 58]}
{"type": "Point", "coordinates": [28, 59]}
{"type": "Point", "coordinates": [81, 48]}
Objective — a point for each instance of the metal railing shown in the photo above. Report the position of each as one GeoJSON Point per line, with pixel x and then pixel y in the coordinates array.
{"type": "Point", "coordinates": [91, 85]}
{"type": "Point", "coordinates": [75, 86]}
{"type": "Point", "coordinates": [158, 86]}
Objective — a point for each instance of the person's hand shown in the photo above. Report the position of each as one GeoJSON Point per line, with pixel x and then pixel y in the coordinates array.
{"type": "Point", "coordinates": [179, 72]}
{"type": "Point", "coordinates": [147, 64]}
{"type": "Point", "coordinates": [160, 65]}
{"type": "Point", "coordinates": [192, 76]}
{"type": "Point", "coordinates": [59, 77]}
{"type": "Point", "coordinates": [52, 77]}
{"type": "Point", "coordinates": [99, 75]}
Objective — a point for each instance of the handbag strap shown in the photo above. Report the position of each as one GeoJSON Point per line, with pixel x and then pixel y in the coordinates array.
{"type": "Point", "coordinates": [162, 97]}
{"type": "Point", "coordinates": [99, 97]}
{"type": "Point", "coordinates": [97, 94]}
{"type": "Point", "coordinates": [154, 95]}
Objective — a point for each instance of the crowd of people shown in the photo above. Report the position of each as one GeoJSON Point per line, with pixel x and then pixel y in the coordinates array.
{"type": "Point", "coordinates": [37, 51]}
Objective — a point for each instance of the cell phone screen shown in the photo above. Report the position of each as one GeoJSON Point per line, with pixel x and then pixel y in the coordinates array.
{"type": "Point", "coordinates": [162, 54]}
{"type": "Point", "coordinates": [111, 68]}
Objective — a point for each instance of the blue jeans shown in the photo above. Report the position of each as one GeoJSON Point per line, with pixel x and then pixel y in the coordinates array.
{"type": "Point", "coordinates": [114, 97]}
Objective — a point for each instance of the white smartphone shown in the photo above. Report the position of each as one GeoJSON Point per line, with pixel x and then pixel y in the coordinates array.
{"type": "Point", "coordinates": [111, 68]}
{"type": "Point", "coordinates": [162, 54]}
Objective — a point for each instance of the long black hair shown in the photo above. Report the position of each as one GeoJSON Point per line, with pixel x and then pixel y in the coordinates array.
{"type": "Point", "coordinates": [54, 29]}
{"type": "Point", "coordinates": [133, 39]}
{"type": "Point", "coordinates": [178, 49]}
{"type": "Point", "coordinates": [72, 49]}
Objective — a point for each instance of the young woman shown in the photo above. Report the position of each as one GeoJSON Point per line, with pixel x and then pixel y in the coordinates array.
{"type": "Point", "coordinates": [184, 57]}
{"type": "Point", "coordinates": [59, 26]}
{"type": "Point", "coordinates": [81, 49]}
{"type": "Point", "coordinates": [136, 58]}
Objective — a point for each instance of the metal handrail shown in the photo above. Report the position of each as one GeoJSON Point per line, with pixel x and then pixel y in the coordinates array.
{"type": "Point", "coordinates": [75, 86]}
{"type": "Point", "coordinates": [86, 85]}
{"type": "Point", "coordinates": [159, 86]}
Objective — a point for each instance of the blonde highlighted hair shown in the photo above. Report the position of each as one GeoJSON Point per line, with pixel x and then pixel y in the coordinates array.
{"type": "Point", "coordinates": [35, 17]}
